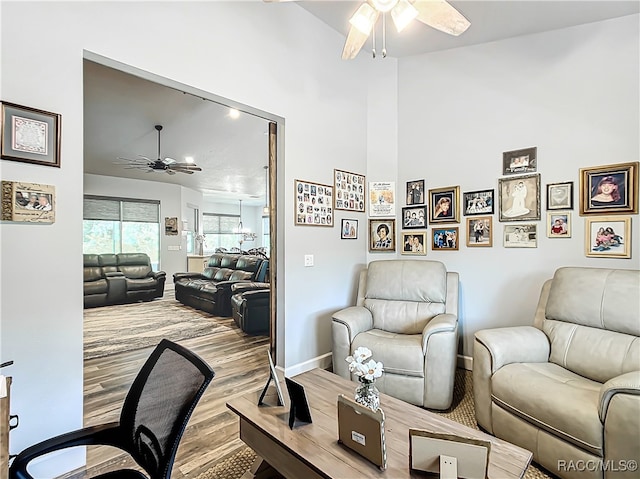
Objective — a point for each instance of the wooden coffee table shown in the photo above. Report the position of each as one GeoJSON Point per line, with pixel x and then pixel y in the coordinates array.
{"type": "Point", "coordinates": [312, 450]}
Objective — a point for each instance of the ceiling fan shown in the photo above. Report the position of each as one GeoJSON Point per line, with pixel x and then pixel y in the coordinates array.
{"type": "Point", "coordinates": [168, 165]}
{"type": "Point", "coordinates": [438, 14]}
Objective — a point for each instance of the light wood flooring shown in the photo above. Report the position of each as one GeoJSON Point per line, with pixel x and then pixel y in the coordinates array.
{"type": "Point", "coordinates": [241, 365]}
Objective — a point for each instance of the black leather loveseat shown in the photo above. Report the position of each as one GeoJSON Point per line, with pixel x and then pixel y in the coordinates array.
{"type": "Point", "coordinates": [250, 307]}
{"type": "Point", "coordinates": [120, 278]}
{"type": "Point", "coordinates": [211, 290]}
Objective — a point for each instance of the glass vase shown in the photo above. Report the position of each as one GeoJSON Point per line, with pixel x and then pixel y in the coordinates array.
{"type": "Point", "coordinates": [368, 395]}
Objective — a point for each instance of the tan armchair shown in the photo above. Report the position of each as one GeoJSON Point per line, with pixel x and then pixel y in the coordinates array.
{"type": "Point", "coordinates": [568, 387]}
{"type": "Point", "coordinates": [407, 315]}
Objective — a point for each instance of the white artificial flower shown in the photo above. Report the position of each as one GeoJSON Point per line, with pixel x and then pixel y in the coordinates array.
{"type": "Point", "coordinates": [371, 370]}
{"type": "Point", "coordinates": [362, 354]}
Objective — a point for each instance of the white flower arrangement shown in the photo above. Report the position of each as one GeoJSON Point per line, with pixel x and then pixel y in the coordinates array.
{"type": "Point", "coordinates": [367, 371]}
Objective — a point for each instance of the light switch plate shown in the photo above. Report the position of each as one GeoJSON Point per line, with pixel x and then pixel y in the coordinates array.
{"type": "Point", "coordinates": [308, 260]}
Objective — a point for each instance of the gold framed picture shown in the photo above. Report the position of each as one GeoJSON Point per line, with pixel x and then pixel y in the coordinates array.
{"type": "Point", "coordinates": [444, 205]}
{"type": "Point", "coordinates": [559, 224]}
{"type": "Point", "coordinates": [382, 235]}
{"type": "Point", "coordinates": [610, 189]}
{"type": "Point", "coordinates": [608, 237]}
{"type": "Point", "coordinates": [28, 202]}
{"type": "Point", "coordinates": [414, 243]}
{"type": "Point", "coordinates": [444, 239]}
{"type": "Point", "coordinates": [479, 231]}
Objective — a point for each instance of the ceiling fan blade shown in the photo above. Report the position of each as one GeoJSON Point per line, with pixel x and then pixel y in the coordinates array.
{"type": "Point", "coordinates": [353, 45]}
{"type": "Point", "coordinates": [440, 15]}
{"type": "Point", "coordinates": [171, 172]}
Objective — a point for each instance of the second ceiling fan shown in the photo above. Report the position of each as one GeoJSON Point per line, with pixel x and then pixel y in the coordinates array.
{"type": "Point", "coordinates": [168, 165]}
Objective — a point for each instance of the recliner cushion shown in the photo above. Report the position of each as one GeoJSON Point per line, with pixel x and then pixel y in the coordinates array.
{"type": "Point", "coordinates": [95, 287]}
{"type": "Point", "coordinates": [144, 284]}
{"type": "Point", "coordinates": [552, 398]}
{"type": "Point", "coordinates": [399, 353]}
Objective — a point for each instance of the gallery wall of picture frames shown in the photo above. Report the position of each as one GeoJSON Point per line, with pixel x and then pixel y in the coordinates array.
{"type": "Point", "coordinates": [604, 192]}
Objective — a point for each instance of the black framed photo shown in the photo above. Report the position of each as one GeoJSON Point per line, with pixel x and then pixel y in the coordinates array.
{"type": "Point", "coordinates": [444, 205]}
{"type": "Point", "coordinates": [414, 243]}
{"type": "Point", "coordinates": [610, 189]}
{"type": "Point", "coordinates": [349, 229]}
{"type": "Point", "coordinates": [314, 203]}
{"type": "Point", "coordinates": [414, 217]}
{"type": "Point", "coordinates": [560, 196]}
{"type": "Point", "coordinates": [520, 161]}
{"type": "Point", "coordinates": [30, 135]}
{"type": "Point", "coordinates": [478, 202]}
{"type": "Point", "coordinates": [444, 239]}
{"type": "Point", "coordinates": [415, 192]}
{"type": "Point", "coordinates": [382, 235]}
{"type": "Point", "coordinates": [519, 198]}
{"type": "Point", "coordinates": [349, 191]}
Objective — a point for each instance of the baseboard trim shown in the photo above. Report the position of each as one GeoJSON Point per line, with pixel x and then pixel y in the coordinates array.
{"type": "Point", "coordinates": [465, 362]}
{"type": "Point", "coordinates": [322, 362]}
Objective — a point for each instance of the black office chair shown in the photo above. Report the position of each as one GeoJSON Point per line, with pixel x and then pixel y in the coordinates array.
{"type": "Point", "coordinates": [153, 418]}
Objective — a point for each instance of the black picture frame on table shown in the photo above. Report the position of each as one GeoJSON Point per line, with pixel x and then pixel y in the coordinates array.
{"type": "Point", "coordinates": [30, 135]}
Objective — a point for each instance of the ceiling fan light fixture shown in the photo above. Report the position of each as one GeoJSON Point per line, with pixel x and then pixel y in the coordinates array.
{"type": "Point", "coordinates": [402, 14]}
{"type": "Point", "coordinates": [384, 5]}
{"type": "Point", "coordinates": [189, 159]}
{"type": "Point", "coordinates": [364, 18]}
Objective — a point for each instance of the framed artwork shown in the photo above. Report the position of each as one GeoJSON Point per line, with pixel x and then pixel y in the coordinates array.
{"type": "Point", "coordinates": [560, 196]}
{"type": "Point", "coordinates": [349, 229]}
{"type": "Point", "coordinates": [28, 202]}
{"type": "Point", "coordinates": [520, 161]}
{"type": "Point", "coordinates": [444, 205]}
{"type": "Point", "coordinates": [608, 237]}
{"type": "Point", "coordinates": [314, 203]}
{"type": "Point", "coordinates": [415, 192]}
{"type": "Point", "coordinates": [444, 238]}
{"type": "Point", "coordinates": [30, 135]}
{"type": "Point", "coordinates": [559, 224]}
{"type": "Point", "coordinates": [382, 200]}
{"type": "Point", "coordinates": [414, 217]}
{"type": "Point", "coordinates": [382, 235]}
{"type": "Point", "coordinates": [611, 189]}
{"type": "Point", "coordinates": [479, 231]}
{"type": "Point", "coordinates": [171, 226]}
{"type": "Point", "coordinates": [414, 243]}
{"type": "Point", "coordinates": [521, 236]}
{"type": "Point", "coordinates": [478, 202]}
{"type": "Point", "coordinates": [349, 191]}
{"type": "Point", "coordinates": [519, 198]}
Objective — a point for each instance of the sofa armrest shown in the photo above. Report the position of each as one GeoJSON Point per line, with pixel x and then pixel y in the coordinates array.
{"type": "Point", "coordinates": [244, 287]}
{"type": "Point", "coordinates": [628, 383]}
{"type": "Point", "coordinates": [178, 276]}
{"type": "Point", "coordinates": [158, 274]}
{"type": "Point", "coordinates": [519, 344]}
{"type": "Point", "coordinates": [442, 323]}
{"type": "Point", "coordinates": [346, 324]}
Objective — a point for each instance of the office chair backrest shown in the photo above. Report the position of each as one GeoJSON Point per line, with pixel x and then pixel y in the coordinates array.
{"type": "Point", "coordinates": [158, 405]}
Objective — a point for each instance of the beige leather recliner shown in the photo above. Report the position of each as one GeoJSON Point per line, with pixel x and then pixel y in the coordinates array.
{"type": "Point", "coordinates": [568, 388]}
{"type": "Point", "coordinates": [407, 315]}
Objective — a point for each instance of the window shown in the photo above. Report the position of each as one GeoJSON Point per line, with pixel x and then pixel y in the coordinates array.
{"type": "Point", "coordinates": [220, 231]}
{"type": "Point", "coordinates": [119, 225]}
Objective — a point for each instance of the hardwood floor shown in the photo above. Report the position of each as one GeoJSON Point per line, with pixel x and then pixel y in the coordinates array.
{"type": "Point", "coordinates": [241, 365]}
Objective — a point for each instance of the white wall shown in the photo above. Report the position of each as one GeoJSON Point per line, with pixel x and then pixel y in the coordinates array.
{"type": "Point", "coordinates": [274, 57]}
{"type": "Point", "coordinates": [573, 93]}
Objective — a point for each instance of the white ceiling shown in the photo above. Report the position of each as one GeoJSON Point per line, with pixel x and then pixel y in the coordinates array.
{"type": "Point", "coordinates": [490, 21]}
{"type": "Point", "coordinates": [121, 109]}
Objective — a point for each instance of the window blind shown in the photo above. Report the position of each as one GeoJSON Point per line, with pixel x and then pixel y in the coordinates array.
{"type": "Point", "coordinates": [121, 209]}
{"type": "Point", "coordinates": [219, 224]}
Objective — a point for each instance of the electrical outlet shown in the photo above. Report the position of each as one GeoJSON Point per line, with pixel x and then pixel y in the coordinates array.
{"type": "Point", "coordinates": [308, 260]}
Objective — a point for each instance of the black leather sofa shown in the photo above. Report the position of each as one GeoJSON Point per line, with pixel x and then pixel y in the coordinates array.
{"type": "Point", "coordinates": [250, 307]}
{"type": "Point", "coordinates": [211, 290]}
{"type": "Point", "coordinates": [120, 278]}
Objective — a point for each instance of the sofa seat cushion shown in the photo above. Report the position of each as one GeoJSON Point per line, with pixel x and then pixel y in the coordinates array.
{"type": "Point", "coordinates": [202, 288]}
{"type": "Point", "coordinates": [143, 284]}
{"type": "Point", "coordinates": [96, 287]}
{"type": "Point", "coordinates": [552, 398]}
{"type": "Point", "coordinates": [399, 353]}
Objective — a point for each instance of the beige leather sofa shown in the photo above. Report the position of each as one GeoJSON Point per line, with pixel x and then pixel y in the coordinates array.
{"type": "Point", "coordinates": [568, 388]}
{"type": "Point", "coordinates": [407, 315]}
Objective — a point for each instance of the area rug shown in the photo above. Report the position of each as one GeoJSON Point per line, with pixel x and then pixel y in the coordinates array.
{"type": "Point", "coordinates": [462, 411]}
{"type": "Point", "coordinates": [128, 327]}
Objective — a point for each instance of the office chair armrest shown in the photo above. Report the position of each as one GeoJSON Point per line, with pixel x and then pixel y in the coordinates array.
{"type": "Point", "coordinates": [105, 434]}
